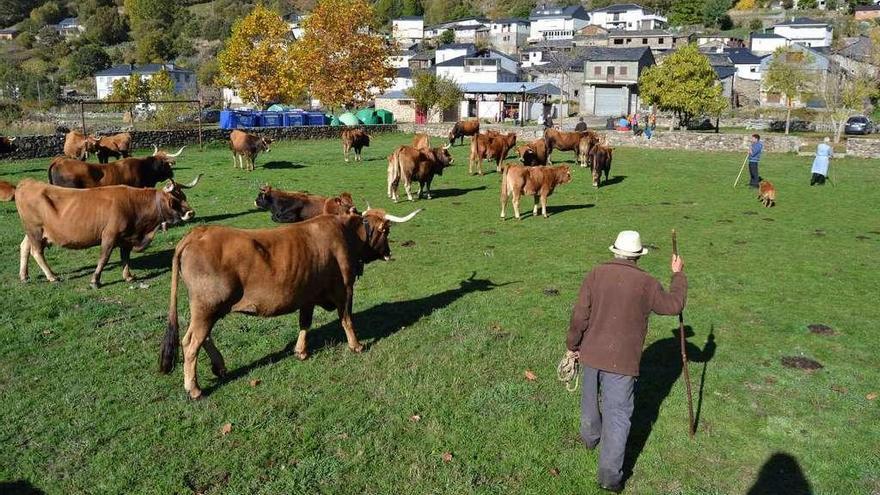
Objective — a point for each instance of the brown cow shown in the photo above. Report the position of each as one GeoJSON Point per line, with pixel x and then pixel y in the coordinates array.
{"type": "Point", "coordinates": [536, 181]}
{"type": "Point", "coordinates": [117, 146]}
{"type": "Point", "coordinates": [78, 145]}
{"type": "Point", "coordinates": [464, 128]}
{"type": "Point", "coordinates": [244, 145]}
{"type": "Point", "coordinates": [270, 272]}
{"type": "Point", "coordinates": [419, 165]}
{"type": "Point", "coordinates": [562, 141]}
{"type": "Point", "coordinates": [112, 216]}
{"type": "Point", "coordinates": [7, 144]}
{"type": "Point", "coordinates": [600, 161]}
{"type": "Point", "coordinates": [421, 142]}
{"type": "Point", "coordinates": [588, 140]}
{"type": "Point", "coordinates": [291, 207]}
{"type": "Point", "coordinates": [534, 153]}
{"type": "Point", "coordinates": [354, 138]}
{"type": "Point", "coordinates": [134, 172]}
{"type": "Point", "coordinates": [493, 146]}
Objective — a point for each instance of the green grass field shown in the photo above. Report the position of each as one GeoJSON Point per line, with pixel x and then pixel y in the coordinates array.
{"type": "Point", "coordinates": [451, 326]}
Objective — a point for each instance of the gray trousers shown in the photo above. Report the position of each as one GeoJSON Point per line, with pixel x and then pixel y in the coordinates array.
{"type": "Point", "coordinates": [611, 426]}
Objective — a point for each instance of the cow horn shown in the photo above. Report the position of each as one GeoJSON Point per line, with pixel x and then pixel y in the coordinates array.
{"type": "Point", "coordinates": [368, 207]}
{"type": "Point", "coordinates": [175, 155]}
{"type": "Point", "coordinates": [392, 218]}
{"type": "Point", "coordinates": [192, 183]}
{"type": "Point", "coordinates": [155, 150]}
{"type": "Point", "coordinates": [446, 147]}
{"type": "Point", "coordinates": [11, 140]}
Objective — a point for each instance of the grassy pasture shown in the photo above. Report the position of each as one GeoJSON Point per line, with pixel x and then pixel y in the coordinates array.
{"type": "Point", "coordinates": [469, 304]}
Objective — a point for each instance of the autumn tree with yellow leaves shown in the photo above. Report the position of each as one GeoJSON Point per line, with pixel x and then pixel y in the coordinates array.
{"type": "Point", "coordinates": [257, 60]}
{"type": "Point", "coordinates": [342, 62]}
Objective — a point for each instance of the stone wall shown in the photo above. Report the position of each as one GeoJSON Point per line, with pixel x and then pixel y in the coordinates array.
{"type": "Point", "coordinates": [47, 146]}
{"type": "Point", "coordinates": [863, 147]}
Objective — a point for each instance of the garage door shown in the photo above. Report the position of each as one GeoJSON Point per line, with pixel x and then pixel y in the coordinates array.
{"type": "Point", "coordinates": [610, 101]}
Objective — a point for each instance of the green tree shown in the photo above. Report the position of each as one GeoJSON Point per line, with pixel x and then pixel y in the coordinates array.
{"type": "Point", "coordinates": [106, 26]}
{"type": "Point", "coordinates": [685, 84]}
{"type": "Point", "coordinates": [412, 7]}
{"type": "Point", "coordinates": [49, 45]}
{"type": "Point", "coordinates": [845, 95]}
{"type": "Point", "coordinates": [807, 4]}
{"type": "Point", "coordinates": [48, 13]}
{"type": "Point", "coordinates": [686, 12]}
{"type": "Point", "coordinates": [154, 46]}
{"type": "Point", "coordinates": [87, 60]}
{"type": "Point", "coordinates": [787, 75]}
{"type": "Point", "coordinates": [154, 29]}
{"type": "Point", "coordinates": [433, 93]}
{"type": "Point", "coordinates": [713, 11]}
{"type": "Point", "coordinates": [384, 11]}
{"type": "Point", "coordinates": [446, 37]}
{"type": "Point", "coordinates": [147, 14]}
{"type": "Point", "coordinates": [12, 11]}
{"type": "Point", "coordinates": [756, 25]}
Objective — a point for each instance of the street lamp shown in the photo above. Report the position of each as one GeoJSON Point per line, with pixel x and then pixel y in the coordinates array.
{"type": "Point", "coordinates": [522, 111]}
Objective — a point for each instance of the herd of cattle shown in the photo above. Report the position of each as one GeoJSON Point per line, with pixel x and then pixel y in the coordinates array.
{"type": "Point", "coordinates": [311, 261]}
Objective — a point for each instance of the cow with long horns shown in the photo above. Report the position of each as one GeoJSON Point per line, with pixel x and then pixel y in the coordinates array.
{"type": "Point", "coordinates": [134, 172]}
{"type": "Point", "coordinates": [270, 272]}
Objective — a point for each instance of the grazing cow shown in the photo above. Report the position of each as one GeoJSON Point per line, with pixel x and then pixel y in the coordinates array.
{"type": "Point", "coordinates": [78, 145]}
{"type": "Point", "coordinates": [270, 272]}
{"type": "Point", "coordinates": [354, 138]}
{"type": "Point", "coordinates": [535, 181]}
{"type": "Point", "coordinates": [493, 146]}
{"type": "Point", "coordinates": [247, 146]}
{"type": "Point", "coordinates": [600, 161]}
{"type": "Point", "coordinates": [117, 146]}
{"type": "Point", "coordinates": [588, 140]}
{"type": "Point", "coordinates": [534, 153]}
{"type": "Point", "coordinates": [111, 216]}
{"type": "Point", "coordinates": [416, 165]}
{"type": "Point", "coordinates": [134, 172]}
{"type": "Point", "coordinates": [767, 193]}
{"type": "Point", "coordinates": [464, 128]}
{"type": "Point", "coordinates": [7, 144]}
{"type": "Point", "coordinates": [291, 207]}
{"type": "Point", "coordinates": [421, 142]}
{"type": "Point", "coordinates": [562, 141]}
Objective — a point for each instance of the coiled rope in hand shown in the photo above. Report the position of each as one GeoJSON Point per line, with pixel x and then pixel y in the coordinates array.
{"type": "Point", "coordinates": [568, 371]}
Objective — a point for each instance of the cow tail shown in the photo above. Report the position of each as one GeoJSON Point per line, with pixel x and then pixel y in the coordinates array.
{"type": "Point", "coordinates": [393, 171]}
{"type": "Point", "coordinates": [504, 192]}
{"type": "Point", "coordinates": [168, 351]}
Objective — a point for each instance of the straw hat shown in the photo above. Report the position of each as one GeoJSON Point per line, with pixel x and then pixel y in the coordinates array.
{"type": "Point", "coordinates": [628, 243]}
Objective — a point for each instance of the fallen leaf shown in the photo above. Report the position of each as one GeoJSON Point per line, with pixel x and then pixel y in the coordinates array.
{"type": "Point", "coordinates": [447, 457]}
{"type": "Point", "coordinates": [415, 418]}
{"type": "Point", "coordinates": [530, 376]}
{"type": "Point", "coordinates": [871, 396]}
{"type": "Point", "coordinates": [256, 382]}
{"type": "Point", "coordinates": [226, 429]}
{"type": "Point", "coordinates": [554, 471]}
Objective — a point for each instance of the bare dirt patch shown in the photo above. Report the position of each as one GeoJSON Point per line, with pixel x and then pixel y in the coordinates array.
{"type": "Point", "coordinates": [821, 329]}
{"type": "Point", "coordinates": [801, 363]}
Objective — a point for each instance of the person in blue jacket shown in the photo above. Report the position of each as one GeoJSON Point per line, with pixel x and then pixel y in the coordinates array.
{"type": "Point", "coordinates": [755, 151]}
{"type": "Point", "coordinates": [824, 153]}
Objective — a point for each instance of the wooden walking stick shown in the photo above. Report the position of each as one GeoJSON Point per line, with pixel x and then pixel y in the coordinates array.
{"type": "Point", "coordinates": [739, 174]}
{"type": "Point", "coordinates": [684, 358]}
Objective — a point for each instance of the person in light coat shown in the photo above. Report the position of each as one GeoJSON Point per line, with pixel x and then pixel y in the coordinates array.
{"type": "Point", "coordinates": [824, 153]}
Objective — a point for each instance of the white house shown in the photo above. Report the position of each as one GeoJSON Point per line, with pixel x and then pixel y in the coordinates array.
{"type": "Point", "coordinates": [70, 27]}
{"type": "Point", "coordinates": [766, 43]}
{"type": "Point", "coordinates": [402, 79]}
{"type": "Point", "coordinates": [556, 23]}
{"type": "Point", "coordinates": [508, 35]}
{"type": "Point", "coordinates": [294, 22]}
{"type": "Point", "coordinates": [184, 79]}
{"type": "Point", "coordinates": [748, 65]}
{"type": "Point", "coordinates": [628, 16]}
{"type": "Point", "coordinates": [484, 66]}
{"type": "Point", "coordinates": [453, 50]}
{"type": "Point", "coordinates": [408, 30]}
{"type": "Point", "coordinates": [806, 31]}
{"type": "Point", "coordinates": [466, 29]}
{"type": "Point", "coordinates": [545, 52]}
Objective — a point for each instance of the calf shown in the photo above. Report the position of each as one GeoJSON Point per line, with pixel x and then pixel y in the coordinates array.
{"type": "Point", "coordinates": [416, 165]}
{"type": "Point", "coordinates": [117, 146]}
{"type": "Point", "coordinates": [767, 193]}
{"type": "Point", "coordinates": [464, 128]}
{"type": "Point", "coordinates": [588, 140]}
{"type": "Point", "coordinates": [291, 207]}
{"type": "Point", "coordinates": [491, 145]}
{"type": "Point", "coordinates": [534, 153]}
{"type": "Point", "coordinates": [355, 139]}
{"type": "Point", "coordinates": [600, 161]}
{"type": "Point", "coordinates": [112, 216]}
{"type": "Point", "coordinates": [78, 145]}
{"type": "Point", "coordinates": [538, 182]}
{"type": "Point", "coordinates": [247, 146]}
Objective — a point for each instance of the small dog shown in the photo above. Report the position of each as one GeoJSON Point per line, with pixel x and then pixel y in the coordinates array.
{"type": "Point", "coordinates": [767, 193]}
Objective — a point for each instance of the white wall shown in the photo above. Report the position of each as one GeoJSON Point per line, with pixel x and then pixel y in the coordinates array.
{"type": "Point", "coordinates": [629, 20]}
{"type": "Point", "coordinates": [818, 36]}
{"type": "Point", "coordinates": [407, 29]}
{"type": "Point", "coordinates": [762, 46]}
{"type": "Point", "coordinates": [555, 28]}
{"type": "Point", "coordinates": [444, 54]}
{"type": "Point", "coordinates": [459, 75]}
{"type": "Point", "coordinates": [752, 72]}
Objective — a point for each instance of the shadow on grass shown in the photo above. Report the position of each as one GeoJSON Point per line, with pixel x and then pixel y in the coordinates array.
{"type": "Point", "coordinates": [553, 210]}
{"type": "Point", "coordinates": [156, 263]}
{"type": "Point", "coordinates": [225, 216]}
{"type": "Point", "coordinates": [781, 473]}
{"type": "Point", "coordinates": [19, 487]}
{"type": "Point", "coordinates": [617, 179]}
{"type": "Point", "coordinates": [453, 192]}
{"type": "Point", "coordinates": [373, 324]}
{"type": "Point", "coordinates": [660, 368]}
{"type": "Point", "coordinates": [282, 164]}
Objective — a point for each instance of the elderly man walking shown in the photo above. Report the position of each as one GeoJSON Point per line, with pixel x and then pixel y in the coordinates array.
{"type": "Point", "coordinates": [607, 332]}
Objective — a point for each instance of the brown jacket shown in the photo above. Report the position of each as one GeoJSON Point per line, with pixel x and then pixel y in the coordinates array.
{"type": "Point", "coordinates": [610, 317]}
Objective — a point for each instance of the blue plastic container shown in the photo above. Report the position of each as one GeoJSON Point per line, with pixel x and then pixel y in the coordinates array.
{"type": "Point", "coordinates": [248, 119]}
{"type": "Point", "coordinates": [292, 119]}
{"type": "Point", "coordinates": [316, 118]}
{"type": "Point", "coordinates": [228, 119]}
{"type": "Point", "coordinates": [271, 119]}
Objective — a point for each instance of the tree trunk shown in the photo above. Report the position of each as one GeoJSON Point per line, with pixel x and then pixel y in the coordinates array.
{"type": "Point", "coordinates": [787, 116]}
{"type": "Point", "coordinates": [839, 131]}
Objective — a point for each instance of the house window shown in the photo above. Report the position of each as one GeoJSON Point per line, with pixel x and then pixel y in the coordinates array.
{"type": "Point", "coordinates": [644, 41]}
{"type": "Point", "coordinates": [597, 71]}
{"type": "Point", "coordinates": [618, 41]}
{"type": "Point", "coordinates": [753, 69]}
{"type": "Point", "coordinates": [610, 70]}
{"type": "Point", "coordinates": [623, 70]}
{"type": "Point", "coordinates": [576, 93]}
{"type": "Point", "coordinates": [660, 41]}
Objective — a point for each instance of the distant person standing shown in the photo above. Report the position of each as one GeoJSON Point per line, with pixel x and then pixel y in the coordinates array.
{"type": "Point", "coordinates": [607, 332]}
{"type": "Point", "coordinates": [824, 153]}
{"type": "Point", "coordinates": [581, 125]}
{"type": "Point", "coordinates": [755, 150]}
{"type": "Point", "coordinates": [652, 121]}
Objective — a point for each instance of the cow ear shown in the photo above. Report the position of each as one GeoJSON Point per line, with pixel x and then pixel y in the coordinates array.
{"type": "Point", "coordinates": [169, 186]}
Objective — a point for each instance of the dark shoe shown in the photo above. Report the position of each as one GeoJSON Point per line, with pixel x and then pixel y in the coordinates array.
{"type": "Point", "coordinates": [612, 488]}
